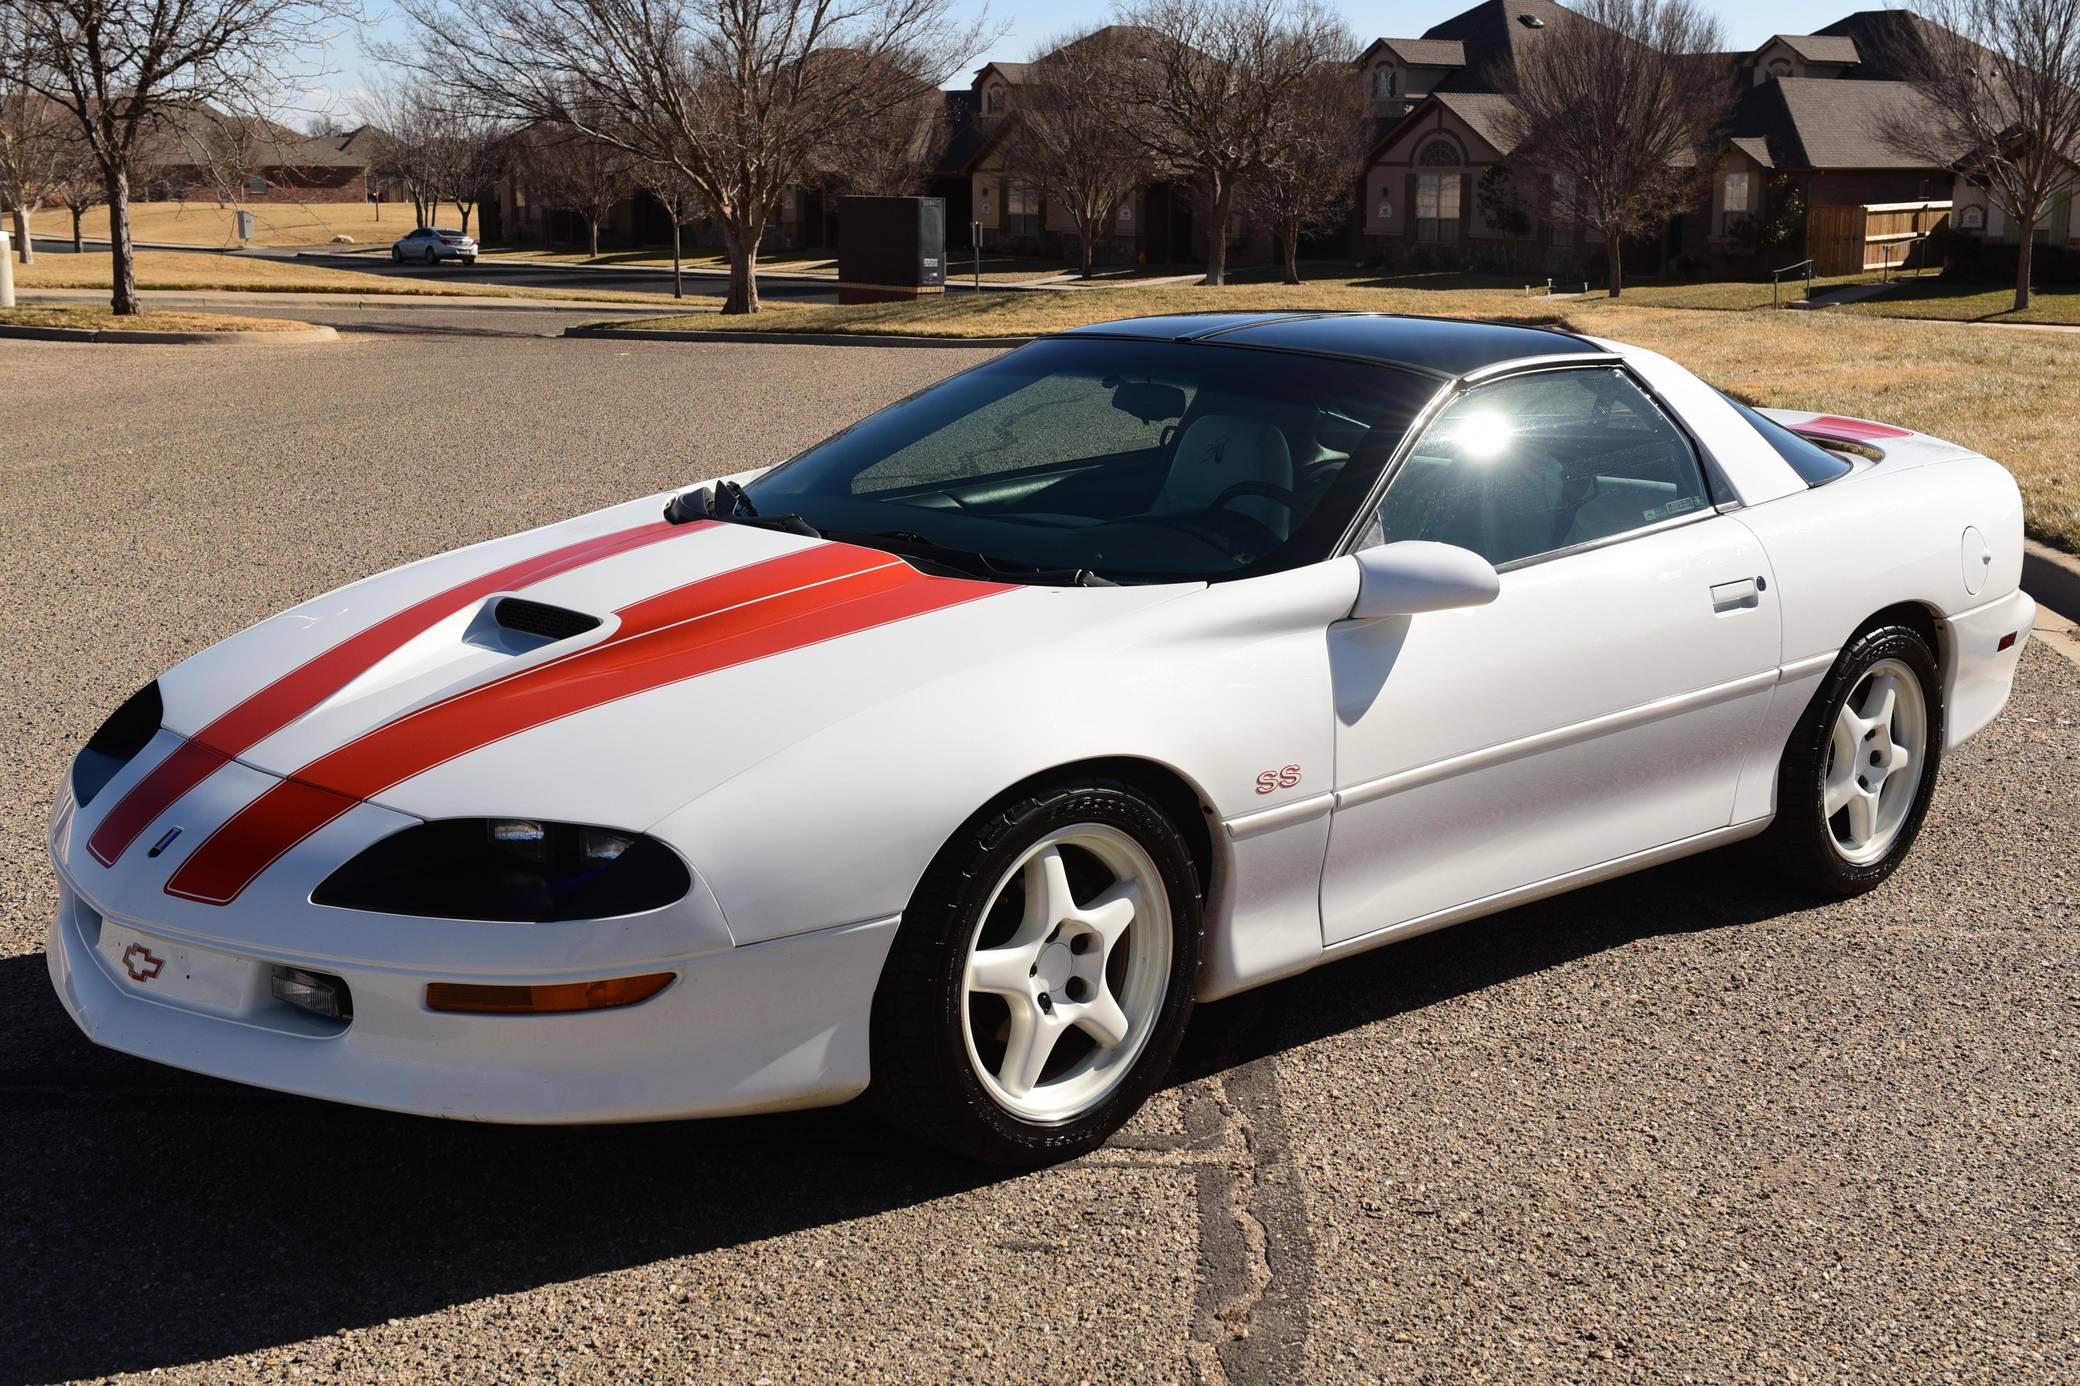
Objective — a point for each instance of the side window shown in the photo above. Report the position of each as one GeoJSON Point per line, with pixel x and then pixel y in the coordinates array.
{"type": "Point", "coordinates": [1542, 462]}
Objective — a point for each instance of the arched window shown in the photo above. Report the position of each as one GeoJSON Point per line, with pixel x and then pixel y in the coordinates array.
{"type": "Point", "coordinates": [1779, 67]}
{"type": "Point", "coordinates": [993, 101]}
{"type": "Point", "coordinates": [1384, 80]}
{"type": "Point", "coordinates": [1439, 154]}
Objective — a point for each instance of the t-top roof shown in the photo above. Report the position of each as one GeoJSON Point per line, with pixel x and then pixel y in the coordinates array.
{"type": "Point", "coordinates": [1443, 346]}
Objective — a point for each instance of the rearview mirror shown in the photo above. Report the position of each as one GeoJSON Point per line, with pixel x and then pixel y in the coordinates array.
{"type": "Point", "coordinates": [1148, 401]}
{"type": "Point", "coordinates": [1416, 575]}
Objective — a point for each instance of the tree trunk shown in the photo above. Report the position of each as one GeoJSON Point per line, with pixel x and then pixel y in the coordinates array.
{"type": "Point", "coordinates": [592, 232]}
{"type": "Point", "coordinates": [2025, 252]}
{"type": "Point", "coordinates": [1290, 234]}
{"type": "Point", "coordinates": [1083, 247]}
{"type": "Point", "coordinates": [1614, 257]}
{"type": "Point", "coordinates": [79, 246]}
{"type": "Point", "coordinates": [24, 242]}
{"type": "Point", "coordinates": [741, 237]}
{"type": "Point", "coordinates": [464, 208]}
{"type": "Point", "coordinates": [1217, 233]}
{"type": "Point", "coordinates": [122, 259]}
{"type": "Point", "coordinates": [678, 272]}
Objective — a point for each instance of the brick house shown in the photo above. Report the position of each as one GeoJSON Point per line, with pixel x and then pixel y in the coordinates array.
{"type": "Point", "coordinates": [1159, 223]}
{"type": "Point", "coordinates": [1439, 188]}
{"type": "Point", "coordinates": [198, 153]}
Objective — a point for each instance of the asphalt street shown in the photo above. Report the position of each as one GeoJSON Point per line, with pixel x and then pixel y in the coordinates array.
{"type": "Point", "coordinates": [1682, 1127]}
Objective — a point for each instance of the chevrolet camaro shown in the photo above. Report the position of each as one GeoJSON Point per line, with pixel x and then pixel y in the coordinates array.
{"type": "Point", "coordinates": [960, 754]}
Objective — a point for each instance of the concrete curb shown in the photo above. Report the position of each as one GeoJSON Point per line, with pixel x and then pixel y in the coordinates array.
{"type": "Point", "coordinates": [299, 337]}
{"type": "Point", "coordinates": [623, 334]}
{"type": "Point", "coordinates": [344, 298]}
{"type": "Point", "coordinates": [2053, 578]}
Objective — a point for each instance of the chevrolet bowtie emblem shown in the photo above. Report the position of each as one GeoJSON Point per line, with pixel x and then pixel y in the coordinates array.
{"type": "Point", "coordinates": [140, 962]}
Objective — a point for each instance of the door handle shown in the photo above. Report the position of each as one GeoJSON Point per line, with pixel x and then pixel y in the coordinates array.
{"type": "Point", "coordinates": [1737, 596]}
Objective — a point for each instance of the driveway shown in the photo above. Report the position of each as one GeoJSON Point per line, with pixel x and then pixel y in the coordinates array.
{"type": "Point", "coordinates": [1682, 1126]}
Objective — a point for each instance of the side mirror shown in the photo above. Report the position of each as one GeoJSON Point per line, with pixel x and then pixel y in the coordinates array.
{"type": "Point", "coordinates": [1416, 575]}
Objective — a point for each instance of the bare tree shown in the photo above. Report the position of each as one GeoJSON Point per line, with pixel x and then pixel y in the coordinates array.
{"type": "Point", "coordinates": [1625, 100]}
{"type": "Point", "coordinates": [1313, 168]}
{"type": "Point", "coordinates": [1209, 84]}
{"type": "Point", "coordinates": [79, 188]}
{"type": "Point", "coordinates": [469, 154]}
{"type": "Point", "coordinates": [744, 97]}
{"type": "Point", "coordinates": [889, 155]}
{"type": "Point", "coordinates": [578, 173]}
{"type": "Point", "coordinates": [113, 64]}
{"type": "Point", "coordinates": [406, 123]}
{"type": "Point", "coordinates": [1071, 132]}
{"type": "Point", "coordinates": [681, 203]}
{"type": "Point", "coordinates": [32, 133]}
{"type": "Point", "coordinates": [2001, 80]}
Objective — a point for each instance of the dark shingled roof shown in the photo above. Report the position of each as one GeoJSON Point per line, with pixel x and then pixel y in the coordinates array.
{"type": "Point", "coordinates": [1825, 123]}
{"type": "Point", "coordinates": [1819, 48]}
{"type": "Point", "coordinates": [1427, 52]}
{"type": "Point", "coordinates": [1486, 112]}
{"type": "Point", "coordinates": [1493, 34]}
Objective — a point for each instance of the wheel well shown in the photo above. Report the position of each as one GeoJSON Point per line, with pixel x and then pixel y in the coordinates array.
{"type": "Point", "coordinates": [1173, 793]}
{"type": "Point", "coordinates": [1918, 618]}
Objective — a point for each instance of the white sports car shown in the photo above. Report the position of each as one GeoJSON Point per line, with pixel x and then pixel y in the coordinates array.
{"type": "Point", "coordinates": [965, 750]}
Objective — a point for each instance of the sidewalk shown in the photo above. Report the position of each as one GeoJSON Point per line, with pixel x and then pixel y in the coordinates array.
{"type": "Point", "coordinates": [224, 298]}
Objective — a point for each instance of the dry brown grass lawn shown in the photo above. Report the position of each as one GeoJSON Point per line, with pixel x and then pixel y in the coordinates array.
{"type": "Point", "coordinates": [177, 270]}
{"type": "Point", "coordinates": [87, 319]}
{"type": "Point", "coordinates": [2007, 394]}
{"type": "Point", "coordinates": [274, 224]}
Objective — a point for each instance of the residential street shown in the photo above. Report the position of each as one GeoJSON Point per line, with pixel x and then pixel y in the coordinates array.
{"type": "Point", "coordinates": [1684, 1126]}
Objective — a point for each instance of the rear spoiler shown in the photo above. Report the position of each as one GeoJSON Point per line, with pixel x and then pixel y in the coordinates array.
{"type": "Point", "coordinates": [1891, 443]}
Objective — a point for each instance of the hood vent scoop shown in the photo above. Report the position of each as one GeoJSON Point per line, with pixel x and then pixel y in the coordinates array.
{"type": "Point", "coordinates": [544, 622]}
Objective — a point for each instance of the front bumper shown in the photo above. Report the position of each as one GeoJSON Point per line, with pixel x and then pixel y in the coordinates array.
{"type": "Point", "coordinates": [763, 1027]}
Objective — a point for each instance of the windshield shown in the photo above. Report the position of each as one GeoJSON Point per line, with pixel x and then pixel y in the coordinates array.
{"type": "Point", "coordinates": [1136, 461]}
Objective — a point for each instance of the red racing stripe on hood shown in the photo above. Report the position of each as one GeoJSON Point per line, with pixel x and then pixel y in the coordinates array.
{"type": "Point", "coordinates": [318, 678]}
{"type": "Point", "coordinates": [754, 612]}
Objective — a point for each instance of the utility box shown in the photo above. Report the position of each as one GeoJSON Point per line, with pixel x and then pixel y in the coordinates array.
{"type": "Point", "coordinates": [245, 226]}
{"type": "Point", "coordinates": [891, 248]}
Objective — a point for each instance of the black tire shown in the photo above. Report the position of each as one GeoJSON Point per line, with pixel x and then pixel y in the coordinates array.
{"type": "Point", "coordinates": [1800, 845]}
{"type": "Point", "coordinates": [923, 1080]}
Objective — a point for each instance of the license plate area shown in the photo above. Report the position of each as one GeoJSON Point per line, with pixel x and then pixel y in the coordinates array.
{"type": "Point", "coordinates": [183, 974]}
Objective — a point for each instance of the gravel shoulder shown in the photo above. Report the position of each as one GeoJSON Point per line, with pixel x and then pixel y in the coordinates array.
{"type": "Point", "coordinates": [1680, 1126]}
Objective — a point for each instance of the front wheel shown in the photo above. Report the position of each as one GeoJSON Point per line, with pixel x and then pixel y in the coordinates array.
{"type": "Point", "coordinates": [1042, 977]}
{"type": "Point", "coordinates": [1858, 773]}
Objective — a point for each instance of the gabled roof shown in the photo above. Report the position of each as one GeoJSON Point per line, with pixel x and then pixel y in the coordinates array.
{"type": "Point", "coordinates": [1419, 52]}
{"type": "Point", "coordinates": [1825, 123]}
{"type": "Point", "coordinates": [192, 133]}
{"type": "Point", "coordinates": [1483, 112]}
{"type": "Point", "coordinates": [1014, 73]}
{"type": "Point", "coordinates": [1837, 49]}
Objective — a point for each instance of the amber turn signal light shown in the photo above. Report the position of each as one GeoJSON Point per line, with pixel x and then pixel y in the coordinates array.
{"type": "Point", "coordinates": [567, 996]}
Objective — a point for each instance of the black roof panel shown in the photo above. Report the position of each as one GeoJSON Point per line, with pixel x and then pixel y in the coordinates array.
{"type": "Point", "coordinates": [1444, 345]}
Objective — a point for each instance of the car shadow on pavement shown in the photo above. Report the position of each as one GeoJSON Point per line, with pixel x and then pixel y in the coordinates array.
{"type": "Point", "coordinates": [158, 1218]}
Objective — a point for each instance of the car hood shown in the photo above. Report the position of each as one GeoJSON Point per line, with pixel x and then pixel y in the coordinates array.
{"type": "Point", "coordinates": [606, 670]}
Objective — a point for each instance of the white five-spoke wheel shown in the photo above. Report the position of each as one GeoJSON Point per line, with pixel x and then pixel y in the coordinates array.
{"type": "Point", "coordinates": [1858, 771]}
{"type": "Point", "coordinates": [1043, 973]}
{"type": "Point", "coordinates": [1875, 755]}
{"type": "Point", "coordinates": [1066, 972]}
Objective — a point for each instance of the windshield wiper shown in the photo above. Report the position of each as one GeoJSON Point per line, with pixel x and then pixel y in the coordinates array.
{"type": "Point", "coordinates": [727, 502]}
{"type": "Point", "coordinates": [912, 544]}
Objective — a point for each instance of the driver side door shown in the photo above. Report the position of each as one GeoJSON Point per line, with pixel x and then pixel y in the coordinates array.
{"type": "Point", "coordinates": [1600, 707]}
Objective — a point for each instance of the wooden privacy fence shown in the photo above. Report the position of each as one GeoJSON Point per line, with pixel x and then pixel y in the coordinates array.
{"type": "Point", "coordinates": [1876, 235]}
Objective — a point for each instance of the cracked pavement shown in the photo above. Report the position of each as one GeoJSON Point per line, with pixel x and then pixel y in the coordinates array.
{"type": "Point", "coordinates": [1684, 1126]}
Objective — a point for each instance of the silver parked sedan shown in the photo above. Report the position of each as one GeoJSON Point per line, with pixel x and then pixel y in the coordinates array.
{"type": "Point", "coordinates": [433, 244]}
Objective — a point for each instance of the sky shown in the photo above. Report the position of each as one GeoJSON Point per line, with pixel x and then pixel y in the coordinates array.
{"type": "Point", "coordinates": [1746, 24]}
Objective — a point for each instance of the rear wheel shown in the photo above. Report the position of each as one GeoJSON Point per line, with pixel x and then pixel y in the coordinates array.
{"type": "Point", "coordinates": [1858, 773]}
{"type": "Point", "coordinates": [1042, 977]}
{"type": "Point", "coordinates": [433, 257]}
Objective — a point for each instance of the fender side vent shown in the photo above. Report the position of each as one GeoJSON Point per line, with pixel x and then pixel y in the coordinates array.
{"type": "Point", "coordinates": [539, 619]}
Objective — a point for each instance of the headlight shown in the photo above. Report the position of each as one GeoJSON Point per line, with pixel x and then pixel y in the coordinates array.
{"type": "Point", "coordinates": [517, 869]}
{"type": "Point", "coordinates": [128, 730]}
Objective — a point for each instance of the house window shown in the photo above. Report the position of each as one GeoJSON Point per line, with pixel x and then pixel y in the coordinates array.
{"type": "Point", "coordinates": [1437, 207]}
{"type": "Point", "coordinates": [256, 186]}
{"type": "Point", "coordinates": [1734, 197]}
{"type": "Point", "coordinates": [1779, 67]}
{"type": "Point", "coordinates": [1384, 79]}
{"type": "Point", "coordinates": [993, 101]}
{"type": "Point", "coordinates": [1440, 154]}
{"type": "Point", "coordinates": [1021, 210]}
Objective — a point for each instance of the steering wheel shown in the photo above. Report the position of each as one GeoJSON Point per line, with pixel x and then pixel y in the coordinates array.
{"type": "Point", "coordinates": [1277, 495]}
